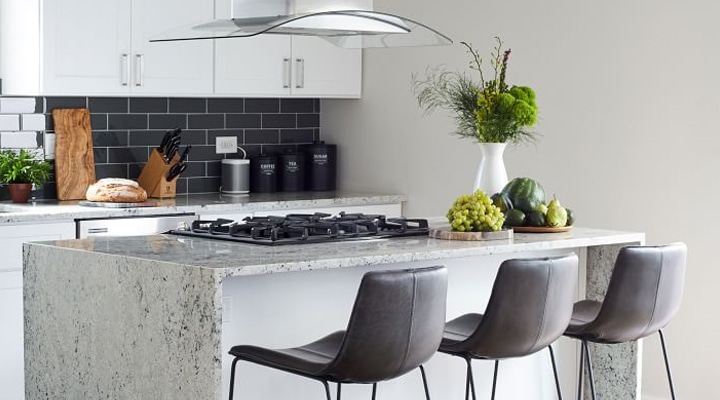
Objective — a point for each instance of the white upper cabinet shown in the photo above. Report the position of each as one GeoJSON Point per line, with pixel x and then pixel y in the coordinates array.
{"type": "Point", "coordinates": [86, 56]}
{"type": "Point", "coordinates": [321, 68]}
{"type": "Point", "coordinates": [257, 66]}
{"type": "Point", "coordinates": [170, 68]}
{"type": "Point", "coordinates": [91, 47]}
{"type": "Point", "coordinates": [101, 47]}
{"type": "Point", "coordinates": [282, 65]}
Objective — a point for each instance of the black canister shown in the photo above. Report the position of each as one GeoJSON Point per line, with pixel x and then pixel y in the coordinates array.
{"type": "Point", "coordinates": [322, 166]}
{"type": "Point", "coordinates": [292, 172]}
{"type": "Point", "coordinates": [263, 174]}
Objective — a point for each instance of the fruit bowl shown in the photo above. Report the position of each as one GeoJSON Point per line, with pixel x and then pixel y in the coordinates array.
{"type": "Point", "coordinates": [541, 229]}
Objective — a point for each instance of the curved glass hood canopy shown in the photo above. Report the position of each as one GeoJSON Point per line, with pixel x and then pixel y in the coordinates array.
{"type": "Point", "coordinates": [349, 28]}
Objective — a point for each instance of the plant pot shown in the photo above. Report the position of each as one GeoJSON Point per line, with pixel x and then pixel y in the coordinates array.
{"type": "Point", "coordinates": [491, 175]}
{"type": "Point", "coordinates": [20, 192]}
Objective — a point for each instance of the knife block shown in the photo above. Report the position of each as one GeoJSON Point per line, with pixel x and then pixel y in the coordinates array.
{"type": "Point", "coordinates": [152, 177]}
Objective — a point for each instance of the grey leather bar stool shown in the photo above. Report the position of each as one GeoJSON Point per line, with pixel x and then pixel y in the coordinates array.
{"type": "Point", "coordinates": [643, 294]}
{"type": "Point", "coordinates": [396, 326]}
{"type": "Point", "coordinates": [529, 308]}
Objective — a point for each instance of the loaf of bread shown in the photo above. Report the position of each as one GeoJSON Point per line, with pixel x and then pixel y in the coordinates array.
{"type": "Point", "coordinates": [116, 190]}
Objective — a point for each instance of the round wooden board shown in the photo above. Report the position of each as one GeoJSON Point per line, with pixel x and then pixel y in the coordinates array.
{"type": "Point", "coordinates": [448, 234]}
{"type": "Point", "coordinates": [541, 229]}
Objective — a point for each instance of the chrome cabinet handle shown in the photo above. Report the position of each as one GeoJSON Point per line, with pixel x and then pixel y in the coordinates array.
{"type": "Point", "coordinates": [139, 69]}
{"type": "Point", "coordinates": [300, 73]}
{"type": "Point", "coordinates": [286, 73]}
{"type": "Point", "coordinates": [124, 69]}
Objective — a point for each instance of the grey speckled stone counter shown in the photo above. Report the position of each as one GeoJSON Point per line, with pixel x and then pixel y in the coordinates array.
{"type": "Point", "coordinates": [214, 203]}
{"type": "Point", "coordinates": [140, 317]}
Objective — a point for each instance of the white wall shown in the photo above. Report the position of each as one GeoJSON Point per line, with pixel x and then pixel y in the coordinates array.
{"type": "Point", "coordinates": [629, 94]}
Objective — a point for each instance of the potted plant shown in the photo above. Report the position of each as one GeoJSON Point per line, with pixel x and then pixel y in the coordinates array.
{"type": "Point", "coordinates": [21, 170]}
{"type": "Point", "coordinates": [489, 111]}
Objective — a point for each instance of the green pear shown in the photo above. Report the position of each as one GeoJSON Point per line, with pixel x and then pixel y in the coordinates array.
{"type": "Point", "coordinates": [556, 214]}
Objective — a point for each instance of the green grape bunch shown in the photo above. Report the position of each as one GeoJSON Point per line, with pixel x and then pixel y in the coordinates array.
{"type": "Point", "coordinates": [475, 213]}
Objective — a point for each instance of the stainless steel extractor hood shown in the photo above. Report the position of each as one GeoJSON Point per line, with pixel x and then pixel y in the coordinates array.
{"type": "Point", "coordinates": [345, 23]}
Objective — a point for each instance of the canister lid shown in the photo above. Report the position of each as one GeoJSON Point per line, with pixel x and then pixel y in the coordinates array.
{"type": "Point", "coordinates": [234, 161]}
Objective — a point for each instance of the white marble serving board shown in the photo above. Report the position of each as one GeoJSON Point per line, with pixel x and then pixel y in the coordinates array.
{"type": "Point", "coordinates": [107, 204]}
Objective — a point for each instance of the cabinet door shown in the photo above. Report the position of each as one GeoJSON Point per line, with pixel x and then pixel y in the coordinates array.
{"type": "Point", "coordinates": [13, 236]}
{"type": "Point", "coordinates": [11, 336]}
{"type": "Point", "coordinates": [86, 47]}
{"type": "Point", "coordinates": [257, 66]}
{"type": "Point", "coordinates": [321, 69]}
{"type": "Point", "coordinates": [170, 68]}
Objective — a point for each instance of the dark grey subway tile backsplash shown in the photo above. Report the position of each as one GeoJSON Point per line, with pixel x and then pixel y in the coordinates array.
{"type": "Point", "coordinates": [125, 129]}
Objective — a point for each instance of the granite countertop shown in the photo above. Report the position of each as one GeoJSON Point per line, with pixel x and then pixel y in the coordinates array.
{"type": "Point", "coordinates": [236, 259]}
{"type": "Point", "coordinates": [46, 211]}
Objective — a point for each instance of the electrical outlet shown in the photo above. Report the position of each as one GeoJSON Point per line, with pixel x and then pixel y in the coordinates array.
{"type": "Point", "coordinates": [49, 146]}
{"type": "Point", "coordinates": [227, 309]}
{"type": "Point", "coordinates": [225, 144]}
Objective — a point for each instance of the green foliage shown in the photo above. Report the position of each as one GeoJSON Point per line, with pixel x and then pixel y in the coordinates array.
{"type": "Point", "coordinates": [23, 167]}
{"type": "Point", "coordinates": [451, 91]}
{"type": "Point", "coordinates": [489, 111]}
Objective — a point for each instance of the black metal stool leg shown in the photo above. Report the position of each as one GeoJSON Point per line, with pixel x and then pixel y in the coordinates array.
{"type": "Point", "coordinates": [467, 381]}
{"type": "Point", "coordinates": [425, 384]}
{"type": "Point", "coordinates": [327, 390]}
{"type": "Point", "coordinates": [232, 377]}
{"type": "Point", "coordinates": [581, 375]}
{"type": "Point", "coordinates": [590, 369]}
{"type": "Point", "coordinates": [374, 392]}
{"type": "Point", "coordinates": [497, 363]}
{"type": "Point", "coordinates": [667, 364]}
{"type": "Point", "coordinates": [339, 386]}
{"type": "Point", "coordinates": [555, 372]}
{"type": "Point", "coordinates": [470, 384]}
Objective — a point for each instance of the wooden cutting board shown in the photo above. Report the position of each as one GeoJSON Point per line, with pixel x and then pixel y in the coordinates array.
{"type": "Point", "coordinates": [74, 160]}
{"type": "Point", "coordinates": [447, 233]}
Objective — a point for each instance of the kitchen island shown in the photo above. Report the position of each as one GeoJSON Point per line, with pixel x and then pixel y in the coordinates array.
{"type": "Point", "coordinates": [153, 317]}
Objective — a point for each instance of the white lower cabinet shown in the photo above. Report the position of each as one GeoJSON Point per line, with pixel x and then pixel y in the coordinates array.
{"type": "Point", "coordinates": [11, 336]}
{"type": "Point", "coordinates": [12, 375]}
{"type": "Point", "coordinates": [13, 236]}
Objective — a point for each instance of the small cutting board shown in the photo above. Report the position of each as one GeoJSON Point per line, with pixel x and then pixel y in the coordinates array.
{"type": "Point", "coordinates": [74, 160]}
{"type": "Point", "coordinates": [447, 233]}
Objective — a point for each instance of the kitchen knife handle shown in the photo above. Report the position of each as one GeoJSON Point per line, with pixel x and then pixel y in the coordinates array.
{"type": "Point", "coordinates": [300, 71]}
{"type": "Point", "coordinates": [286, 73]}
{"type": "Point", "coordinates": [139, 69]}
{"type": "Point", "coordinates": [124, 69]}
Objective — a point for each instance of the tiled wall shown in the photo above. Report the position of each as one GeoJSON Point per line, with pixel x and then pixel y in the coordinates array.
{"type": "Point", "coordinates": [126, 129]}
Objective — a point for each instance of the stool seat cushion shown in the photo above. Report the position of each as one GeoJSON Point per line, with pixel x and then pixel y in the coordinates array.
{"type": "Point", "coordinates": [460, 329]}
{"type": "Point", "coordinates": [584, 312]}
{"type": "Point", "coordinates": [309, 359]}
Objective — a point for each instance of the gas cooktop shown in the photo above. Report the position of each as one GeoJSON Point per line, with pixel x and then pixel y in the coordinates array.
{"type": "Point", "coordinates": [305, 228]}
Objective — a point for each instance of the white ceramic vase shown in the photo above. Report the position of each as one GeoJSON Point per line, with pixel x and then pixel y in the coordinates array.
{"type": "Point", "coordinates": [491, 175]}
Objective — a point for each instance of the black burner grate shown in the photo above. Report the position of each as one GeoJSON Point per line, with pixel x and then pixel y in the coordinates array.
{"type": "Point", "coordinates": [306, 228]}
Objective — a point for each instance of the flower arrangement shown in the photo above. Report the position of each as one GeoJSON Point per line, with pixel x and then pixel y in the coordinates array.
{"type": "Point", "coordinates": [490, 111]}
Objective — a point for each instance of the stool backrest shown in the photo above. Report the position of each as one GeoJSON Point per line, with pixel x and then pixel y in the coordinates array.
{"type": "Point", "coordinates": [644, 292]}
{"type": "Point", "coordinates": [529, 308]}
{"type": "Point", "coordinates": [395, 326]}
